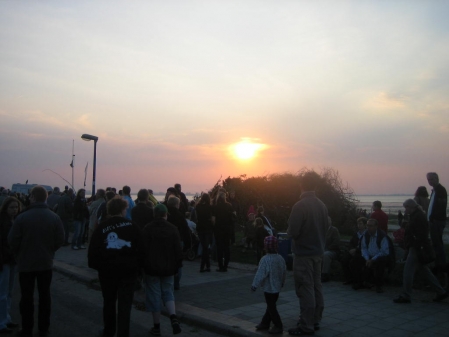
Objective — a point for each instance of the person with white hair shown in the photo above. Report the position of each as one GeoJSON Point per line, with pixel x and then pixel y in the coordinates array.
{"type": "Point", "coordinates": [417, 241]}
{"type": "Point", "coordinates": [436, 216]}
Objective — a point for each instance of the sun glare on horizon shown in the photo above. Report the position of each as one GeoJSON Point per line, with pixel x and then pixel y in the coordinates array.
{"type": "Point", "coordinates": [246, 150]}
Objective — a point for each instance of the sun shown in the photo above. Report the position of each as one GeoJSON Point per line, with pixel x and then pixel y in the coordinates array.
{"type": "Point", "coordinates": [246, 150]}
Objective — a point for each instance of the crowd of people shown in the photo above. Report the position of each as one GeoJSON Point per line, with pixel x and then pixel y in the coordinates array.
{"type": "Point", "coordinates": [143, 240]}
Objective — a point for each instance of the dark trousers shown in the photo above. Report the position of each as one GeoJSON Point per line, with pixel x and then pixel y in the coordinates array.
{"type": "Point", "coordinates": [271, 313]}
{"type": "Point", "coordinates": [436, 228]}
{"type": "Point", "coordinates": [206, 240]}
{"type": "Point", "coordinates": [362, 273]}
{"type": "Point", "coordinates": [27, 281]}
{"type": "Point", "coordinates": [66, 224]}
{"type": "Point", "coordinates": [117, 288]}
{"type": "Point", "coordinates": [223, 251]}
{"type": "Point", "coordinates": [346, 261]}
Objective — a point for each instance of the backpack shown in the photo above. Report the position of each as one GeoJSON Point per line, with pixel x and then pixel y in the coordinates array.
{"type": "Point", "coordinates": [391, 252]}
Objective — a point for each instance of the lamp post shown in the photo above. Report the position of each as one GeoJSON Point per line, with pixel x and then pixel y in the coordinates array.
{"type": "Point", "coordinates": [88, 138]}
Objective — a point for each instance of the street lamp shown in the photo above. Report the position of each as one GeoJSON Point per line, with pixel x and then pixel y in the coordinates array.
{"type": "Point", "coordinates": [88, 138]}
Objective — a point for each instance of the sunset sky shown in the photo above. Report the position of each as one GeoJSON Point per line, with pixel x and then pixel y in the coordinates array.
{"type": "Point", "coordinates": [170, 87]}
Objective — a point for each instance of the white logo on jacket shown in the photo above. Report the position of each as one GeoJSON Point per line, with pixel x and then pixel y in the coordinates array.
{"type": "Point", "coordinates": [115, 243]}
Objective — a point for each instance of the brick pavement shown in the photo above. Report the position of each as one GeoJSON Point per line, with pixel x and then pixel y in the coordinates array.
{"type": "Point", "coordinates": [223, 303]}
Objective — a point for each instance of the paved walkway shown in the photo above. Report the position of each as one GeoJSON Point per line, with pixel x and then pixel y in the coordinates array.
{"type": "Point", "coordinates": [224, 303]}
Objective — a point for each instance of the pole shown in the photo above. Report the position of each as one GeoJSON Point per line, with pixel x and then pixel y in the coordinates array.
{"type": "Point", "coordinates": [95, 166]}
{"type": "Point", "coordinates": [73, 164]}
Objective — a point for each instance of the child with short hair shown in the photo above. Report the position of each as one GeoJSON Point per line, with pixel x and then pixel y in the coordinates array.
{"type": "Point", "coordinates": [271, 275]}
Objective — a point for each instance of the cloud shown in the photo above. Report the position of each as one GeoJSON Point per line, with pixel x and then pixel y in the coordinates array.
{"type": "Point", "coordinates": [385, 102]}
{"type": "Point", "coordinates": [84, 121]}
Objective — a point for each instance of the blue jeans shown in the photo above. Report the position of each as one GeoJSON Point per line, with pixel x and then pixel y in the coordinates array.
{"type": "Point", "coordinates": [7, 276]}
{"type": "Point", "coordinates": [206, 241]}
{"type": "Point", "coordinates": [78, 233]}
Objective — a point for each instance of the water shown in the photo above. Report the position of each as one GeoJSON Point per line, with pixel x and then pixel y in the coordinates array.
{"type": "Point", "coordinates": [391, 204]}
{"type": "Point", "coordinates": [160, 197]}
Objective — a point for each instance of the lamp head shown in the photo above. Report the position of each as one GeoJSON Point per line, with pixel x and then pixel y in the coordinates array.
{"type": "Point", "coordinates": [87, 137]}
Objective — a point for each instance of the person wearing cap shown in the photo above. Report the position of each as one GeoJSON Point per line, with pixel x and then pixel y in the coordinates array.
{"type": "Point", "coordinates": [416, 237]}
{"type": "Point", "coordinates": [163, 258]}
{"type": "Point", "coordinates": [271, 276]}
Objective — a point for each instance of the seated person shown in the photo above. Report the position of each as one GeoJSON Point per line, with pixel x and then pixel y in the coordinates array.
{"type": "Point", "coordinates": [190, 223]}
{"type": "Point", "coordinates": [375, 256]}
{"type": "Point", "coordinates": [331, 250]}
{"type": "Point", "coordinates": [354, 250]}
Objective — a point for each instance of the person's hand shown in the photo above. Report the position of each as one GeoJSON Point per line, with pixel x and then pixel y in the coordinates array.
{"type": "Point", "coordinates": [352, 251]}
{"type": "Point", "coordinates": [369, 263]}
{"type": "Point", "coordinates": [253, 289]}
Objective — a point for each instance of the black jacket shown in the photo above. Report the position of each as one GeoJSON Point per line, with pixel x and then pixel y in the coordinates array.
{"type": "Point", "coordinates": [163, 252]}
{"type": "Point", "coordinates": [224, 223]}
{"type": "Point", "coordinates": [175, 217]}
{"type": "Point", "coordinates": [439, 205]}
{"type": "Point", "coordinates": [6, 255]}
{"type": "Point", "coordinates": [80, 210]}
{"type": "Point", "coordinates": [417, 230]}
{"type": "Point", "coordinates": [116, 247]}
{"type": "Point", "coordinates": [204, 218]}
{"type": "Point", "coordinates": [142, 214]}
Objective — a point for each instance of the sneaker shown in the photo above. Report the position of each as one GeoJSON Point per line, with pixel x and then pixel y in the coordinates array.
{"type": "Point", "coordinates": [82, 247]}
{"type": "Point", "coordinates": [6, 331]}
{"type": "Point", "coordinates": [175, 326]}
{"type": "Point", "coordinates": [316, 326]}
{"type": "Point", "coordinates": [12, 325]}
{"type": "Point", "coordinates": [75, 248]}
{"type": "Point", "coordinates": [155, 331]}
{"type": "Point", "coordinates": [401, 299]}
{"type": "Point", "coordinates": [441, 297]}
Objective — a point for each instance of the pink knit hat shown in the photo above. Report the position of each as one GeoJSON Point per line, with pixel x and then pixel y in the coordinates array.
{"type": "Point", "coordinates": [270, 244]}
